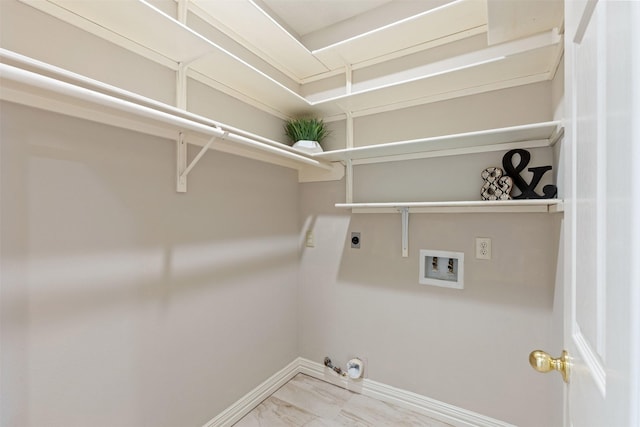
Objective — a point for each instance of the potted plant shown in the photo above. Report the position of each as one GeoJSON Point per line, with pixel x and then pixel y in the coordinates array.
{"type": "Point", "coordinates": [306, 134]}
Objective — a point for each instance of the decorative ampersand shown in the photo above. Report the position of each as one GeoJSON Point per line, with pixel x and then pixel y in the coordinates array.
{"type": "Point", "coordinates": [527, 190]}
{"type": "Point", "coordinates": [496, 186]}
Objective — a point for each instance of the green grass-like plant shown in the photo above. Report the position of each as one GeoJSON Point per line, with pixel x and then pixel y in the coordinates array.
{"type": "Point", "coordinates": [309, 129]}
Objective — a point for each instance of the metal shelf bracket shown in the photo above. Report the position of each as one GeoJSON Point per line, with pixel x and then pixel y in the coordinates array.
{"type": "Point", "coordinates": [405, 231]}
{"type": "Point", "coordinates": [181, 160]}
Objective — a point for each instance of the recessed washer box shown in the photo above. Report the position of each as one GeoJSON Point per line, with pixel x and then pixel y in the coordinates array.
{"type": "Point", "coordinates": [442, 268]}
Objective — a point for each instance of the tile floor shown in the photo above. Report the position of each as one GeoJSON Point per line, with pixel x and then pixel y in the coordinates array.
{"type": "Point", "coordinates": [308, 402]}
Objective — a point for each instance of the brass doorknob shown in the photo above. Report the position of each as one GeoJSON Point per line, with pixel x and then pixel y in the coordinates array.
{"type": "Point", "coordinates": [542, 362]}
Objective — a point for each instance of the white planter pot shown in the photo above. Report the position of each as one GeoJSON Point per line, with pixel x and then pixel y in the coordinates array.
{"type": "Point", "coordinates": [308, 146]}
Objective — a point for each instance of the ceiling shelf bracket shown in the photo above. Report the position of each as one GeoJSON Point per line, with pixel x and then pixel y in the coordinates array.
{"type": "Point", "coordinates": [349, 180]}
{"type": "Point", "coordinates": [183, 10]}
{"type": "Point", "coordinates": [181, 85]}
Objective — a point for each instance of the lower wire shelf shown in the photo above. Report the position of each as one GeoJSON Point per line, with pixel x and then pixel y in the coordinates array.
{"type": "Point", "coordinates": [484, 206]}
{"type": "Point", "coordinates": [476, 206]}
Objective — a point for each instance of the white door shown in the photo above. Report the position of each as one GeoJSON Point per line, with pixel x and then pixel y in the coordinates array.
{"type": "Point", "coordinates": [602, 216]}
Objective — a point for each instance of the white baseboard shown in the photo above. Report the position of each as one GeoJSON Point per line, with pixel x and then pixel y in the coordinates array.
{"type": "Point", "coordinates": [450, 414]}
{"type": "Point", "coordinates": [242, 407]}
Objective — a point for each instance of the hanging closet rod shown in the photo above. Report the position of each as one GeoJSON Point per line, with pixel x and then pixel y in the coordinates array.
{"type": "Point", "coordinates": [49, 70]}
{"type": "Point", "coordinates": [138, 105]}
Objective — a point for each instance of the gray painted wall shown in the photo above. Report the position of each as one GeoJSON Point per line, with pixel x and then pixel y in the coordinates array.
{"type": "Point", "coordinates": [465, 347]}
{"type": "Point", "coordinates": [125, 303]}
{"type": "Point", "coordinates": [468, 347]}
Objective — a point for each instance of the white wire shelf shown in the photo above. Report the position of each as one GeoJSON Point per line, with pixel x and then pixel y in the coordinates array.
{"type": "Point", "coordinates": [484, 206]}
{"type": "Point", "coordinates": [40, 85]}
{"type": "Point", "coordinates": [533, 135]}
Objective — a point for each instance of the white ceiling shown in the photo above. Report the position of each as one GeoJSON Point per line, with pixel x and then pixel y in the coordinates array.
{"type": "Point", "coordinates": [307, 16]}
{"type": "Point", "coordinates": [335, 57]}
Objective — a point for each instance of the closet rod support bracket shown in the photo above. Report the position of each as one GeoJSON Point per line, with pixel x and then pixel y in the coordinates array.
{"type": "Point", "coordinates": [181, 156]}
{"type": "Point", "coordinates": [405, 231]}
{"type": "Point", "coordinates": [181, 164]}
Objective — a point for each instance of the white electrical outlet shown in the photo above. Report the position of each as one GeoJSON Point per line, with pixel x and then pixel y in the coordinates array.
{"type": "Point", "coordinates": [483, 248]}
